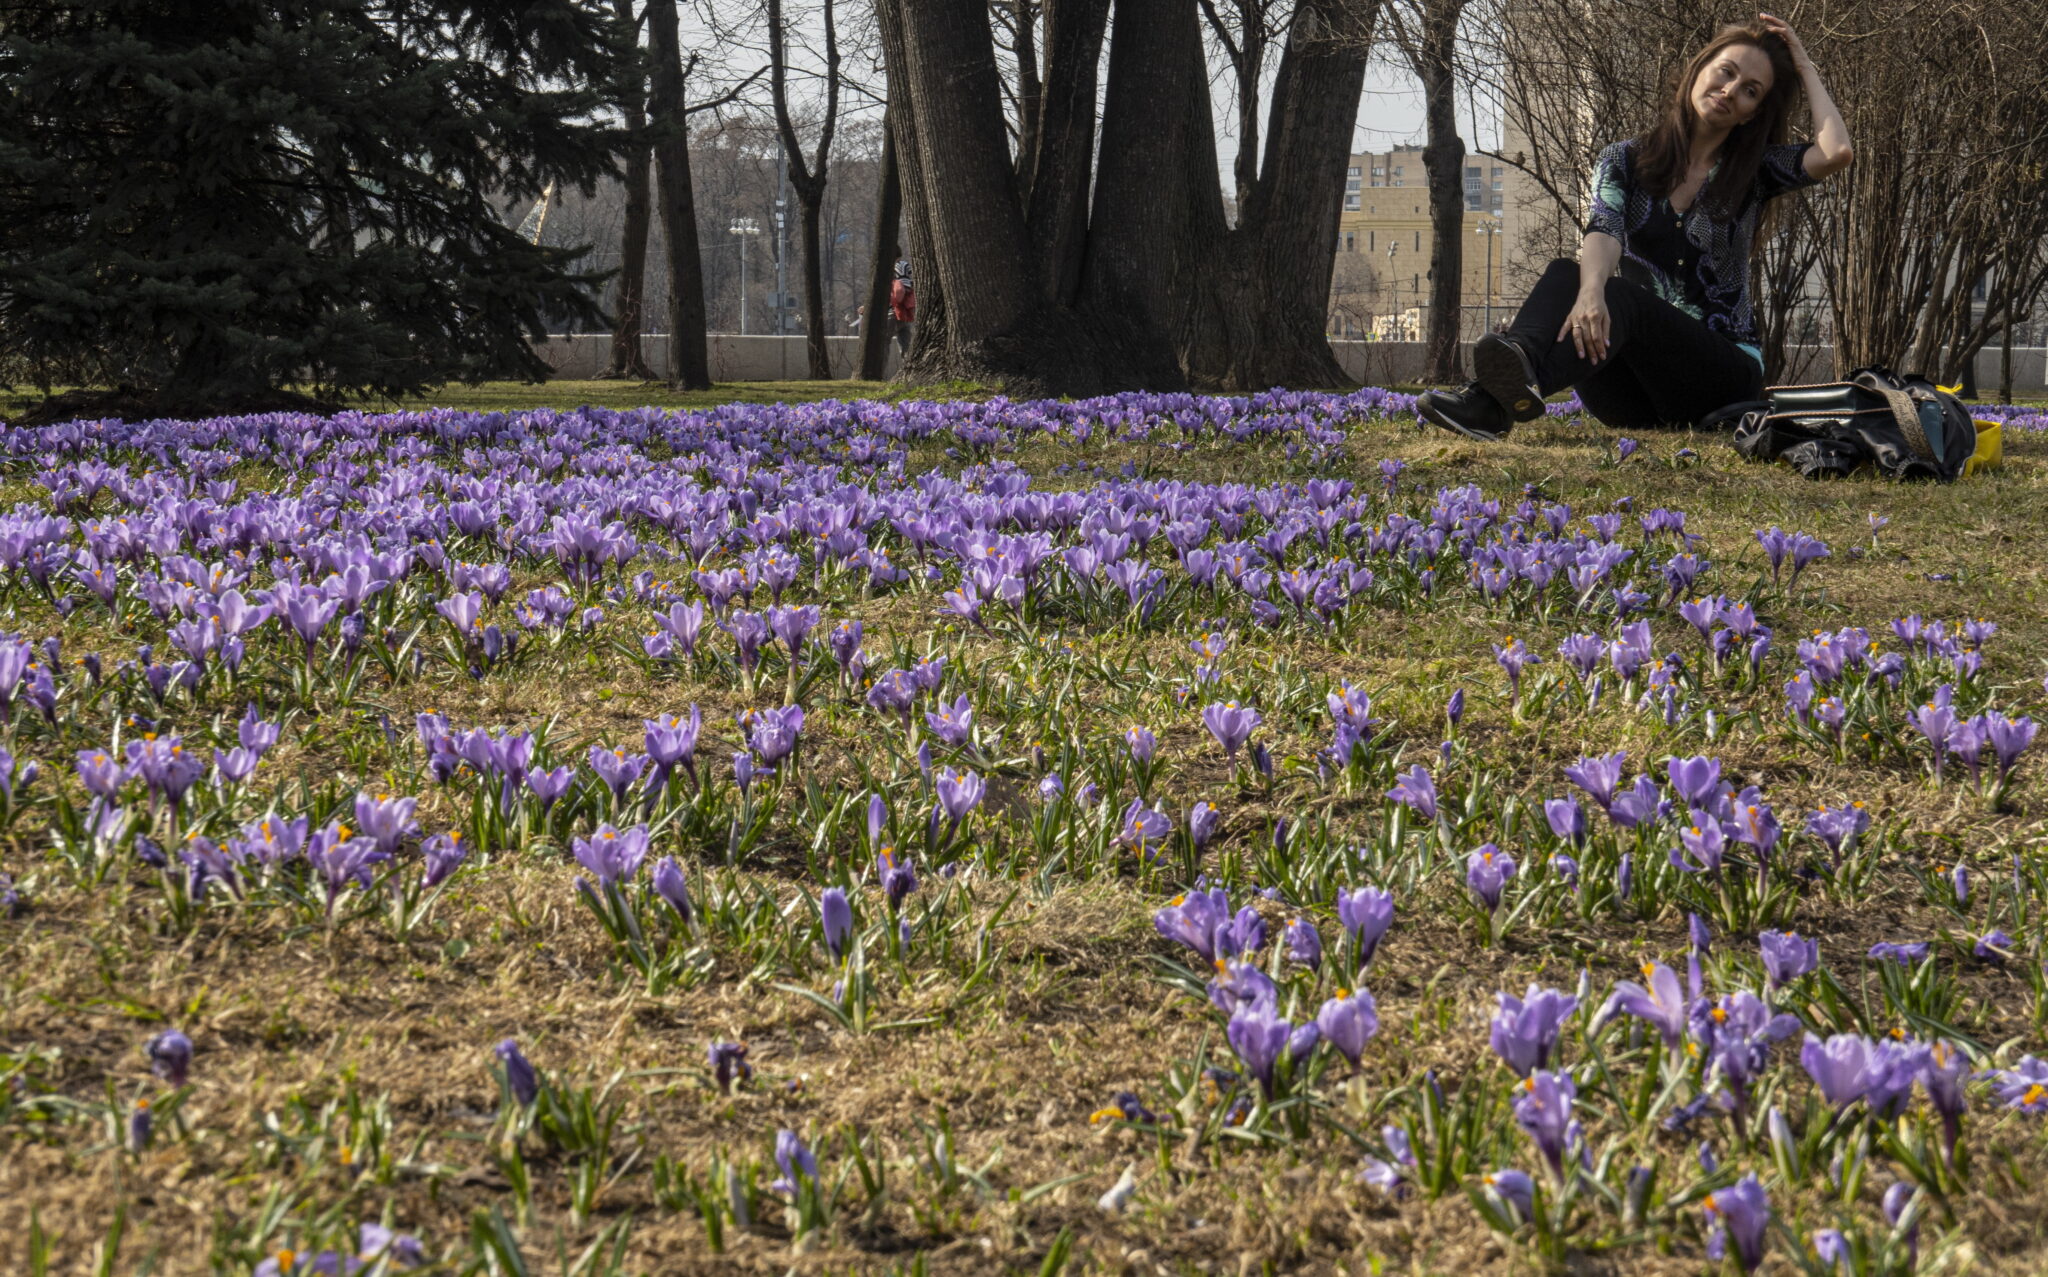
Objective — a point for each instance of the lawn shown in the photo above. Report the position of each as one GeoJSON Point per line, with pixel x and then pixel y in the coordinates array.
{"type": "Point", "coordinates": [916, 837]}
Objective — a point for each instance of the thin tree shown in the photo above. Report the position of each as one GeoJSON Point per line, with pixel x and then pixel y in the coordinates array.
{"type": "Point", "coordinates": [627, 359]}
{"type": "Point", "coordinates": [877, 321]}
{"type": "Point", "coordinates": [689, 357]}
{"type": "Point", "coordinates": [807, 175]}
{"type": "Point", "coordinates": [1426, 33]}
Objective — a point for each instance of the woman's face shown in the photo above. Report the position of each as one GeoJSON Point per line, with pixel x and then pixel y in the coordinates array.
{"type": "Point", "coordinates": [1730, 88]}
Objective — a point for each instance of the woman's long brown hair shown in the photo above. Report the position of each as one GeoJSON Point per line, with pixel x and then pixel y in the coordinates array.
{"type": "Point", "coordinates": [1663, 153]}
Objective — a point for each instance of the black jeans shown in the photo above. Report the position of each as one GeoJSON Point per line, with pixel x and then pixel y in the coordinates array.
{"type": "Point", "coordinates": [1663, 367]}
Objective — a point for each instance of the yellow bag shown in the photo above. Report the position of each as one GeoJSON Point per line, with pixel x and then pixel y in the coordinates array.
{"type": "Point", "coordinates": [1990, 452]}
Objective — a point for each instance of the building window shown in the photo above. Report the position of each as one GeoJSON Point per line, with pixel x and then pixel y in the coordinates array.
{"type": "Point", "coordinates": [1351, 200]}
{"type": "Point", "coordinates": [1350, 241]}
{"type": "Point", "coordinates": [1418, 241]}
{"type": "Point", "coordinates": [1352, 171]}
{"type": "Point", "coordinates": [1372, 241]}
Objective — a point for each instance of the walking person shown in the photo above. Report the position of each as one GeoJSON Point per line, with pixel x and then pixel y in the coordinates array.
{"type": "Point", "coordinates": [903, 305]}
{"type": "Point", "coordinates": [1671, 338]}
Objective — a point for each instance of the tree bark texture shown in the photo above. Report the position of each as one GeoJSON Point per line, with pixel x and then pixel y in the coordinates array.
{"type": "Point", "coordinates": [629, 322]}
{"type": "Point", "coordinates": [1443, 158]}
{"type": "Point", "coordinates": [689, 361]}
{"type": "Point", "coordinates": [807, 175]}
{"type": "Point", "coordinates": [1075, 271]}
{"type": "Point", "coordinates": [877, 323]}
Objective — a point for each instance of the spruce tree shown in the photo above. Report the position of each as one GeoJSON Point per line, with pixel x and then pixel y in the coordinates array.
{"type": "Point", "coordinates": [204, 203]}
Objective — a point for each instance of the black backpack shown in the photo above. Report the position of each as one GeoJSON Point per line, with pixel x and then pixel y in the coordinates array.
{"type": "Point", "coordinates": [1902, 427]}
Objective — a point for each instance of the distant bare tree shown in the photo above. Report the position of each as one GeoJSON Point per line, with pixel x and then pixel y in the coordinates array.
{"type": "Point", "coordinates": [807, 174]}
{"type": "Point", "coordinates": [1426, 34]}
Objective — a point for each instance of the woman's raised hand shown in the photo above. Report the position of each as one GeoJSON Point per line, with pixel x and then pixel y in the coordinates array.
{"type": "Point", "coordinates": [1782, 29]}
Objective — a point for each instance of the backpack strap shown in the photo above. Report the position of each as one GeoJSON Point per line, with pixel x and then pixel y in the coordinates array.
{"type": "Point", "coordinates": [1905, 414]}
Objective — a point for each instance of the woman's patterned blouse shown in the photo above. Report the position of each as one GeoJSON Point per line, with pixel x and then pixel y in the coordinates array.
{"type": "Point", "coordinates": [1698, 263]}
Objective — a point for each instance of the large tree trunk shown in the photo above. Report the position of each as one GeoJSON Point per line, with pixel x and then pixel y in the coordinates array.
{"type": "Point", "coordinates": [628, 324]}
{"type": "Point", "coordinates": [1055, 174]}
{"type": "Point", "coordinates": [877, 323]}
{"type": "Point", "coordinates": [1260, 313]}
{"type": "Point", "coordinates": [1028, 279]}
{"type": "Point", "coordinates": [689, 366]}
{"type": "Point", "coordinates": [1443, 158]}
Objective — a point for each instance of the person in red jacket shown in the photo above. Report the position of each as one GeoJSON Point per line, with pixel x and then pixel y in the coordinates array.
{"type": "Point", "coordinates": [903, 305]}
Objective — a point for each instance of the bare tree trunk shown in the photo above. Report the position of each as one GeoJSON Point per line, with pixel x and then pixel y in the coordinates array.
{"type": "Point", "coordinates": [807, 176]}
{"type": "Point", "coordinates": [1258, 317]}
{"type": "Point", "coordinates": [1443, 158]}
{"type": "Point", "coordinates": [627, 360]}
{"type": "Point", "coordinates": [2005, 359]}
{"type": "Point", "coordinates": [1028, 278]}
{"type": "Point", "coordinates": [689, 364]}
{"type": "Point", "coordinates": [1055, 181]}
{"type": "Point", "coordinates": [877, 320]}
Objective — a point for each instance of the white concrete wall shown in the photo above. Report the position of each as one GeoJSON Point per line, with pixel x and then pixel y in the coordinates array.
{"type": "Point", "coordinates": [733, 357]}
{"type": "Point", "coordinates": [1375, 363]}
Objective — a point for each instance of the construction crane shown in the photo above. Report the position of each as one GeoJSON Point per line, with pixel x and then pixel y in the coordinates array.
{"type": "Point", "coordinates": [537, 216]}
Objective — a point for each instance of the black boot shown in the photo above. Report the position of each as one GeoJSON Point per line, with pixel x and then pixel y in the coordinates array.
{"type": "Point", "coordinates": [1504, 368]}
{"type": "Point", "coordinates": [1470, 412]}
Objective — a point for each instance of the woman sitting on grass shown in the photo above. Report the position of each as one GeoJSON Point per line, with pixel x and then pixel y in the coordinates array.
{"type": "Point", "coordinates": [1671, 338]}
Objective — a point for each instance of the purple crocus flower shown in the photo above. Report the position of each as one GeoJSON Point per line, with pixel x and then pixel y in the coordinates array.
{"type": "Point", "coordinates": [1193, 919]}
{"type": "Point", "coordinates": [140, 1125]}
{"type": "Point", "coordinates": [1740, 1215]}
{"type": "Point", "coordinates": [1787, 956]}
{"type": "Point", "coordinates": [2023, 1087]}
{"type": "Point", "coordinates": [728, 1061]}
{"type": "Point", "coordinates": [1993, 946]}
{"type": "Point", "coordinates": [1258, 1035]}
{"type": "Point", "coordinates": [953, 724]}
{"type": "Point", "coordinates": [1416, 790]}
{"type": "Point", "coordinates": [1943, 1071]}
{"type": "Point", "coordinates": [959, 792]}
{"type": "Point", "coordinates": [1598, 776]}
{"type": "Point", "coordinates": [1514, 656]}
{"type": "Point", "coordinates": [1231, 724]}
{"type": "Point", "coordinates": [1348, 1022]}
{"type": "Point", "coordinates": [796, 1162]}
{"type": "Point", "coordinates": [1202, 819]}
{"type": "Point", "coordinates": [1514, 1187]}
{"type": "Point", "coordinates": [1238, 985]}
{"type": "Point", "coordinates": [2009, 738]}
{"type": "Point", "coordinates": [1696, 780]}
{"type": "Point", "coordinates": [1661, 1005]}
{"type": "Point", "coordinates": [612, 855]}
{"type": "Point", "coordinates": [1543, 1108]}
{"type": "Point", "coordinates": [671, 885]}
{"type": "Point", "coordinates": [1142, 744]}
{"type": "Point", "coordinates": [670, 743]}
{"type": "Point", "coordinates": [1905, 954]}
{"type": "Point", "coordinates": [897, 877]}
{"type": "Point", "coordinates": [1567, 819]}
{"type": "Point", "coordinates": [521, 1078]}
{"type": "Point", "coordinates": [1366, 913]}
{"type": "Point", "coordinates": [1487, 871]}
{"type": "Point", "coordinates": [1525, 1029]}
{"type": "Point", "coordinates": [1304, 944]}
{"type": "Point", "coordinates": [1145, 829]}
{"type": "Point", "coordinates": [773, 733]}
{"type": "Point", "coordinates": [1840, 1066]}
{"type": "Point", "coordinates": [617, 769]}
{"type": "Point", "coordinates": [835, 915]}
{"type": "Point", "coordinates": [170, 1056]}
{"type": "Point", "coordinates": [444, 854]}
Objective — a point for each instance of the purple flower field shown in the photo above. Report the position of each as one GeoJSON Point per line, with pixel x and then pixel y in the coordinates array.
{"type": "Point", "coordinates": [1162, 833]}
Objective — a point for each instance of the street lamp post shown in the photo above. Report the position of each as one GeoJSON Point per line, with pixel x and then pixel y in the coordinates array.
{"type": "Point", "coordinates": [743, 226]}
{"type": "Point", "coordinates": [1491, 231]}
{"type": "Point", "coordinates": [1394, 285]}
